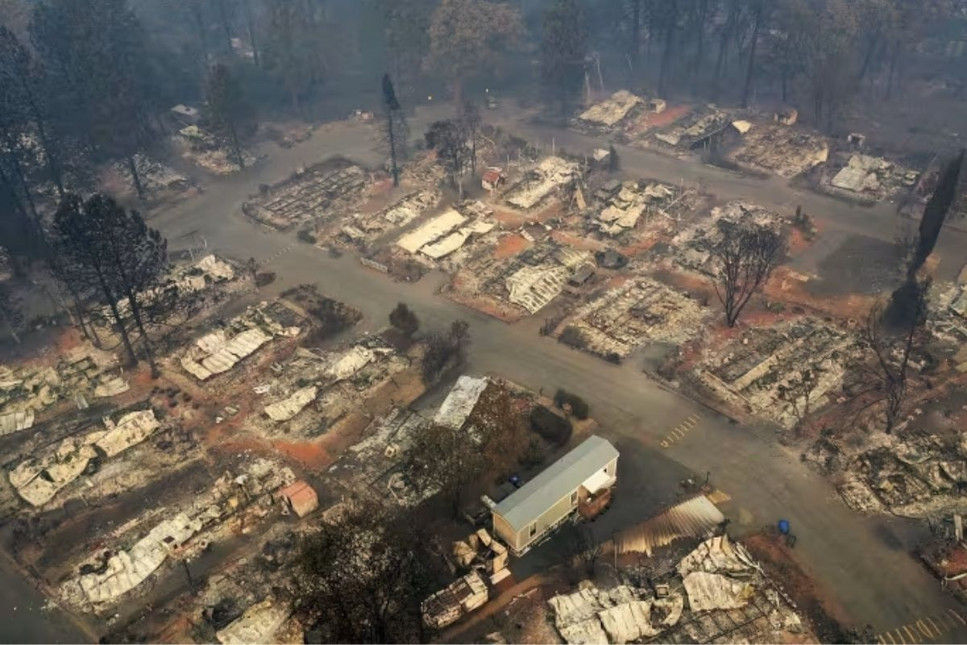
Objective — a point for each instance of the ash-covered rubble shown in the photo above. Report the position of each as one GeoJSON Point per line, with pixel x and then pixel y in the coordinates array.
{"type": "Point", "coordinates": [913, 474]}
{"type": "Point", "coordinates": [780, 150]}
{"type": "Point", "coordinates": [329, 384]}
{"type": "Point", "coordinates": [869, 176]}
{"type": "Point", "coordinates": [40, 477]}
{"type": "Point", "coordinates": [547, 178]}
{"type": "Point", "coordinates": [394, 217]}
{"type": "Point", "coordinates": [622, 210]}
{"type": "Point", "coordinates": [541, 275]}
{"type": "Point", "coordinates": [324, 189]}
{"type": "Point", "coordinates": [690, 246]}
{"type": "Point", "coordinates": [154, 176]}
{"type": "Point", "coordinates": [612, 111]}
{"type": "Point", "coordinates": [84, 372]}
{"type": "Point", "coordinates": [221, 350]}
{"type": "Point", "coordinates": [694, 128]}
{"type": "Point", "coordinates": [639, 312]}
{"type": "Point", "coordinates": [718, 593]}
{"type": "Point", "coordinates": [181, 532]}
{"type": "Point", "coordinates": [762, 372]}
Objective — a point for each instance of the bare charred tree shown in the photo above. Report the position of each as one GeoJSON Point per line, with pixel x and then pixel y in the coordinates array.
{"type": "Point", "coordinates": [891, 351]}
{"type": "Point", "coordinates": [363, 576]}
{"type": "Point", "coordinates": [470, 121]}
{"type": "Point", "coordinates": [449, 140]}
{"type": "Point", "coordinates": [744, 256]}
{"type": "Point", "coordinates": [798, 390]}
{"type": "Point", "coordinates": [226, 109]}
{"type": "Point", "coordinates": [395, 129]}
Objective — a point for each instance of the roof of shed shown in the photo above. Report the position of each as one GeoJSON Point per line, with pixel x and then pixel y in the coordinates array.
{"type": "Point", "coordinates": [562, 477]}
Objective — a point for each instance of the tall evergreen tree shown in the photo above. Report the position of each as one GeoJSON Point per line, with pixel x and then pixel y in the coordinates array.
{"type": "Point", "coordinates": [563, 49]}
{"type": "Point", "coordinates": [113, 252]}
{"type": "Point", "coordinates": [94, 56]}
{"type": "Point", "coordinates": [395, 128]}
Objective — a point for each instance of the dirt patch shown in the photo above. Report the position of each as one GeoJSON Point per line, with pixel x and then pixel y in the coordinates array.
{"type": "Point", "coordinates": [861, 264]}
{"type": "Point", "coordinates": [511, 245]}
{"type": "Point", "coordinates": [790, 287]}
{"type": "Point", "coordinates": [308, 453]}
{"type": "Point", "coordinates": [583, 243]}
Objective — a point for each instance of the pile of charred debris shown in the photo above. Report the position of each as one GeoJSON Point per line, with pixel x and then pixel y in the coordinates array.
{"type": "Point", "coordinates": [326, 190]}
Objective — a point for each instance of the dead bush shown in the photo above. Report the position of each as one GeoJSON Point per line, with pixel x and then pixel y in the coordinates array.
{"type": "Point", "coordinates": [573, 337]}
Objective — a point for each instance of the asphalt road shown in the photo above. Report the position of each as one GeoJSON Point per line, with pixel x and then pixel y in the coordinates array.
{"type": "Point", "coordinates": [862, 563]}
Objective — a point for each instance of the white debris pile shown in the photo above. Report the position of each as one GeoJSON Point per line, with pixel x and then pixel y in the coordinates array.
{"type": "Point", "coordinates": [625, 208]}
{"type": "Point", "coordinates": [727, 598]}
{"type": "Point", "coordinates": [452, 242]}
{"type": "Point", "coordinates": [39, 478]}
{"type": "Point", "coordinates": [619, 615]}
{"type": "Point", "coordinates": [84, 371]}
{"type": "Point", "coordinates": [219, 351]}
{"type": "Point", "coordinates": [719, 574]}
{"type": "Point", "coordinates": [398, 214]}
{"type": "Point", "coordinates": [533, 287]}
{"type": "Point", "coordinates": [461, 401]}
{"type": "Point", "coordinates": [613, 110]}
{"type": "Point", "coordinates": [257, 624]}
{"type": "Point", "coordinates": [293, 405]}
{"type": "Point", "coordinates": [548, 176]}
{"type": "Point", "coordinates": [431, 231]}
{"type": "Point", "coordinates": [639, 312]}
{"type": "Point", "coordinates": [873, 175]}
{"type": "Point", "coordinates": [116, 572]}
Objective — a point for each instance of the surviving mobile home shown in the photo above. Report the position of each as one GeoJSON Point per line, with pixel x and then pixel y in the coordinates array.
{"type": "Point", "coordinates": [580, 478]}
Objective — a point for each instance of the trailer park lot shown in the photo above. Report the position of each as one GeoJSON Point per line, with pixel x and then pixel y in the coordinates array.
{"type": "Point", "coordinates": [570, 276]}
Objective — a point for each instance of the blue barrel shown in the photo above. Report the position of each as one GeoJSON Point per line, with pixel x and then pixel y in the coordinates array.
{"type": "Point", "coordinates": [784, 527]}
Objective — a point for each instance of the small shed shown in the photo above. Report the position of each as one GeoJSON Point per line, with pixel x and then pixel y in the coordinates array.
{"type": "Point", "coordinates": [543, 503]}
{"type": "Point", "coordinates": [493, 178]}
{"type": "Point", "coordinates": [300, 497]}
{"type": "Point", "coordinates": [657, 106]}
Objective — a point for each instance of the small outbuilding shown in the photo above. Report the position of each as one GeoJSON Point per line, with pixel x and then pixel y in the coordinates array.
{"type": "Point", "coordinates": [542, 504]}
{"type": "Point", "coordinates": [300, 497]}
{"type": "Point", "coordinates": [493, 178]}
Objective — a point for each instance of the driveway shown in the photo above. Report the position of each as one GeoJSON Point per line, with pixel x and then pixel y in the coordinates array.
{"type": "Point", "coordinates": [862, 563]}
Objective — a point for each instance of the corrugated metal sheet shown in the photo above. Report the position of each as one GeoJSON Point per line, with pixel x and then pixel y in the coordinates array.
{"type": "Point", "coordinates": [695, 518]}
{"type": "Point", "coordinates": [430, 231]}
{"type": "Point", "coordinates": [535, 497]}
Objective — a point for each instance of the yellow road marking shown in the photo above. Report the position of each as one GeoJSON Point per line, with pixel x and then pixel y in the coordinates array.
{"type": "Point", "coordinates": [935, 628]}
{"type": "Point", "coordinates": [924, 628]}
{"type": "Point", "coordinates": [958, 616]}
{"type": "Point", "coordinates": [910, 633]}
